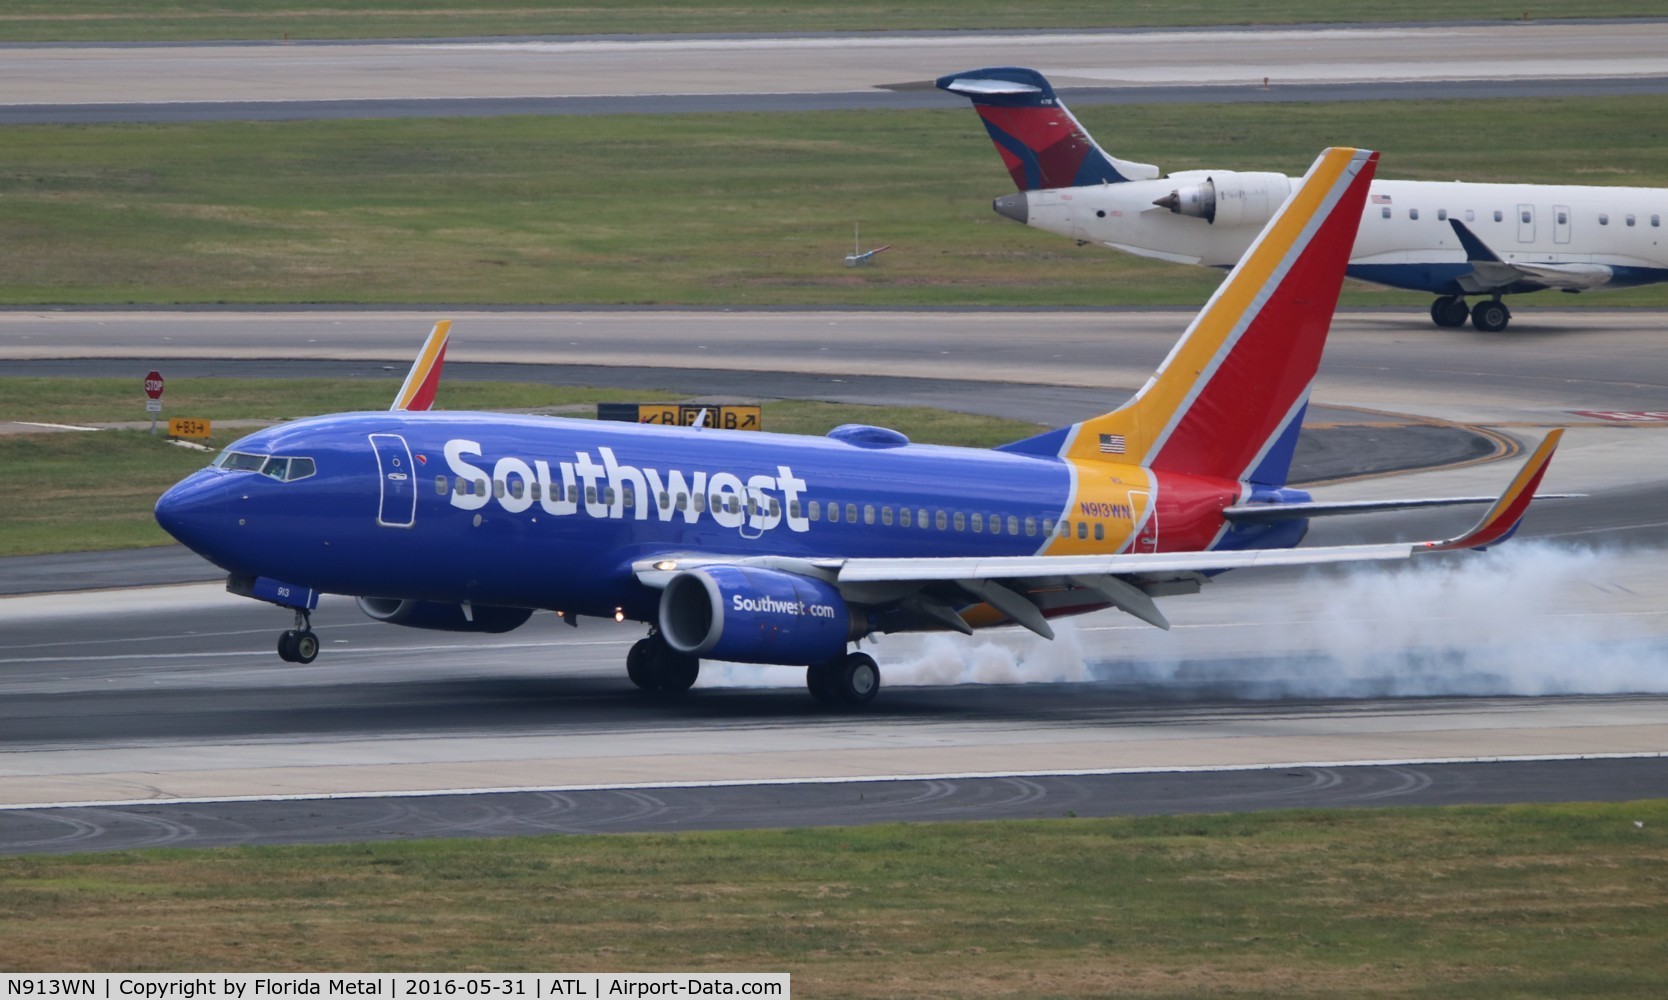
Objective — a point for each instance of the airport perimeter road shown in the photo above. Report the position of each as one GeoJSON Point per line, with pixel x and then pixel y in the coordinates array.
{"type": "Point", "coordinates": [509, 69]}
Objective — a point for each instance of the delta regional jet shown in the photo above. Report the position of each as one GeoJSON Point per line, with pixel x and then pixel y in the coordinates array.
{"type": "Point", "coordinates": [780, 549]}
{"type": "Point", "coordinates": [1451, 239]}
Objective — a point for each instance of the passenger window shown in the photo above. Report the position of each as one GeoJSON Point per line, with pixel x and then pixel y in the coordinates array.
{"type": "Point", "coordinates": [940, 519]}
{"type": "Point", "coordinates": [1523, 217]}
{"type": "Point", "coordinates": [1604, 218]}
{"type": "Point", "coordinates": [514, 489]}
{"type": "Point", "coordinates": [1656, 222]}
{"type": "Point", "coordinates": [591, 496]}
{"type": "Point", "coordinates": [1563, 218]}
{"type": "Point", "coordinates": [1048, 526]}
{"type": "Point", "coordinates": [815, 512]}
{"type": "Point", "coordinates": [1082, 530]}
{"type": "Point", "coordinates": [682, 502]}
{"type": "Point", "coordinates": [1470, 216]}
{"type": "Point", "coordinates": [1386, 211]}
{"type": "Point", "coordinates": [573, 494]}
{"type": "Point", "coordinates": [793, 509]}
{"type": "Point", "coordinates": [961, 521]}
{"type": "Point", "coordinates": [979, 523]}
{"type": "Point", "coordinates": [1442, 215]}
{"type": "Point", "coordinates": [665, 499]}
{"type": "Point", "coordinates": [628, 496]}
{"type": "Point", "coordinates": [1100, 532]}
{"type": "Point", "coordinates": [921, 517]}
{"type": "Point", "coordinates": [498, 488]}
{"type": "Point", "coordinates": [1499, 216]}
{"type": "Point", "coordinates": [700, 501]}
{"type": "Point", "coordinates": [851, 513]}
{"type": "Point", "coordinates": [1013, 525]}
{"type": "Point", "coordinates": [868, 513]}
{"type": "Point", "coordinates": [886, 514]}
{"type": "Point", "coordinates": [775, 507]}
{"type": "Point", "coordinates": [903, 517]}
{"type": "Point", "coordinates": [480, 487]}
{"type": "Point", "coordinates": [996, 524]}
{"type": "Point", "coordinates": [1630, 220]}
{"type": "Point", "coordinates": [1413, 213]}
{"type": "Point", "coordinates": [1030, 527]}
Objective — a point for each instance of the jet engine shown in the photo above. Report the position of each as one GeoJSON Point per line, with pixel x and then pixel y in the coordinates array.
{"type": "Point", "coordinates": [1231, 198]}
{"type": "Point", "coordinates": [443, 617]}
{"type": "Point", "coordinates": [756, 616]}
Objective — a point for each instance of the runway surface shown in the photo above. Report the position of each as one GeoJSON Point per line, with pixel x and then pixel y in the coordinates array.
{"type": "Point", "coordinates": [61, 83]}
{"type": "Point", "coordinates": [1540, 648]}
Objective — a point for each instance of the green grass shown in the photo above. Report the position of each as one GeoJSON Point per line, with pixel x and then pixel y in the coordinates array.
{"type": "Point", "coordinates": [1528, 901]}
{"type": "Point", "coordinates": [75, 492]}
{"type": "Point", "coordinates": [172, 20]}
{"type": "Point", "coordinates": [739, 209]}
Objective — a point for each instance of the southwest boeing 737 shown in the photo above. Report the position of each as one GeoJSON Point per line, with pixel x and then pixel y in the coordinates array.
{"type": "Point", "coordinates": [780, 549]}
{"type": "Point", "coordinates": [1448, 238]}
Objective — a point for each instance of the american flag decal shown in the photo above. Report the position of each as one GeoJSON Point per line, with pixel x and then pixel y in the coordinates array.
{"type": "Point", "coordinates": [1111, 444]}
{"type": "Point", "coordinates": [1381, 199]}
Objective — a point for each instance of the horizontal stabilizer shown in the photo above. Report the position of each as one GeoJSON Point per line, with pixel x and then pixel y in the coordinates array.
{"type": "Point", "coordinates": [1261, 512]}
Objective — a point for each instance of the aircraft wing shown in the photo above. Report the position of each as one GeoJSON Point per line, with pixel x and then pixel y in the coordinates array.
{"type": "Point", "coordinates": [1490, 273]}
{"type": "Point", "coordinates": [424, 378]}
{"type": "Point", "coordinates": [1026, 589]}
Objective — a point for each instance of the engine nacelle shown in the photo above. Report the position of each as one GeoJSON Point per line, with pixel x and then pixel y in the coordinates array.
{"type": "Point", "coordinates": [443, 617]}
{"type": "Point", "coordinates": [756, 616]}
{"type": "Point", "coordinates": [1233, 199]}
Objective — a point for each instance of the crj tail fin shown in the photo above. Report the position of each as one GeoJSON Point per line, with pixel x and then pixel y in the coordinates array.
{"type": "Point", "coordinates": [424, 378]}
{"type": "Point", "coordinates": [1040, 142]}
{"type": "Point", "coordinates": [1229, 400]}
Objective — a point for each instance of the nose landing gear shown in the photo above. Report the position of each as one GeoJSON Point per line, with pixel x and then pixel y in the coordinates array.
{"type": "Point", "coordinates": [299, 644]}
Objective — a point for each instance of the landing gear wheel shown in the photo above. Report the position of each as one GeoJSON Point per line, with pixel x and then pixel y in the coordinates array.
{"type": "Point", "coordinates": [1450, 311]}
{"type": "Point", "coordinates": [1490, 316]}
{"type": "Point", "coordinates": [654, 666]}
{"type": "Point", "coordinates": [638, 666]}
{"type": "Point", "coordinates": [857, 680]}
{"type": "Point", "coordinates": [306, 647]}
{"type": "Point", "coordinates": [286, 645]}
{"type": "Point", "coordinates": [820, 681]}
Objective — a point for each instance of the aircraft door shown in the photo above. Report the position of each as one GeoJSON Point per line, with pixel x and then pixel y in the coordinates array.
{"type": "Point", "coordinates": [398, 477]}
{"type": "Point", "coordinates": [1560, 223]}
{"type": "Point", "coordinates": [1146, 529]}
{"type": "Point", "coordinates": [1526, 223]}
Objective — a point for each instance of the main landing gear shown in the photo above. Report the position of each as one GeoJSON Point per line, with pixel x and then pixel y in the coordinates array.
{"type": "Point", "coordinates": [1488, 316]}
{"type": "Point", "coordinates": [299, 644]}
{"type": "Point", "coordinates": [654, 666]}
{"type": "Point", "coordinates": [852, 680]}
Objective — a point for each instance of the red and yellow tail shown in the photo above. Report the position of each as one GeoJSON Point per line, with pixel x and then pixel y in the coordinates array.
{"type": "Point", "coordinates": [424, 378]}
{"type": "Point", "coordinates": [1229, 400]}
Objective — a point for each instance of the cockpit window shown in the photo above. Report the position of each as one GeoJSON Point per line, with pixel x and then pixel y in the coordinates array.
{"type": "Point", "coordinates": [279, 467]}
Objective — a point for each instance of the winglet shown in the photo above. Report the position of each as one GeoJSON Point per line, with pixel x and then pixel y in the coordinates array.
{"type": "Point", "coordinates": [1502, 519]}
{"type": "Point", "coordinates": [1475, 248]}
{"type": "Point", "coordinates": [424, 378]}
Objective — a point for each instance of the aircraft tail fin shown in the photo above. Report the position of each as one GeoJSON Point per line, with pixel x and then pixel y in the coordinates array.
{"type": "Point", "coordinates": [424, 378]}
{"type": "Point", "coordinates": [1040, 141]}
{"type": "Point", "coordinates": [1229, 400]}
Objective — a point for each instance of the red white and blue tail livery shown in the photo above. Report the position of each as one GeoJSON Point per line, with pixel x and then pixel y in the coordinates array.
{"type": "Point", "coordinates": [779, 549]}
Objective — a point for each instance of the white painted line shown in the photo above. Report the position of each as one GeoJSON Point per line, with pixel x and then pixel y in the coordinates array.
{"type": "Point", "coordinates": [853, 780]}
{"type": "Point", "coordinates": [55, 427]}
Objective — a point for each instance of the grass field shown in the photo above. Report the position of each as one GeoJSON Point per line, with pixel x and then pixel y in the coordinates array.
{"type": "Point", "coordinates": [174, 20]}
{"type": "Point", "coordinates": [76, 492]}
{"type": "Point", "coordinates": [1530, 901]}
{"type": "Point", "coordinates": [739, 209]}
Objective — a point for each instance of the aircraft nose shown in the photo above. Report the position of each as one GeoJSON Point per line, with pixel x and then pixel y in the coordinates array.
{"type": "Point", "coordinates": [1013, 206]}
{"type": "Point", "coordinates": [192, 509]}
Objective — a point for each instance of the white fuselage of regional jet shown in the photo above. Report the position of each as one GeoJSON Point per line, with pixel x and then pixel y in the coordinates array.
{"type": "Point", "coordinates": [1575, 237]}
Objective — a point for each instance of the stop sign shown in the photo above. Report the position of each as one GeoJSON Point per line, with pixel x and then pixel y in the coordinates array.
{"type": "Point", "coordinates": [153, 385]}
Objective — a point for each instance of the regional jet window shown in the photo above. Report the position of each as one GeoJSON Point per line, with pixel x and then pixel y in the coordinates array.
{"type": "Point", "coordinates": [961, 521]}
{"type": "Point", "coordinates": [1413, 213]}
{"type": "Point", "coordinates": [1656, 222]}
{"type": "Point", "coordinates": [1630, 220]}
{"type": "Point", "coordinates": [1442, 215]}
{"type": "Point", "coordinates": [1499, 216]}
{"type": "Point", "coordinates": [1470, 216]}
{"type": "Point", "coordinates": [1563, 218]}
{"type": "Point", "coordinates": [1604, 219]}
{"type": "Point", "coordinates": [940, 519]}
{"type": "Point", "coordinates": [1386, 211]}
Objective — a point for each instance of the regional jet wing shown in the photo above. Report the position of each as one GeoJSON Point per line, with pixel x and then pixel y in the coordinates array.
{"type": "Point", "coordinates": [1025, 589]}
{"type": "Point", "coordinates": [1489, 273]}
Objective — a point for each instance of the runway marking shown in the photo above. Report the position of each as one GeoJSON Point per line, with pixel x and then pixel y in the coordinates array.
{"type": "Point", "coordinates": [864, 780]}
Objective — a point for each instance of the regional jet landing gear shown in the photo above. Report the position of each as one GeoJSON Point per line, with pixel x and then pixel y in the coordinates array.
{"type": "Point", "coordinates": [1488, 316]}
{"type": "Point", "coordinates": [852, 680]}
{"type": "Point", "coordinates": [299, 644]}
{"type": "Point", "coordinates": [654, 666]}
